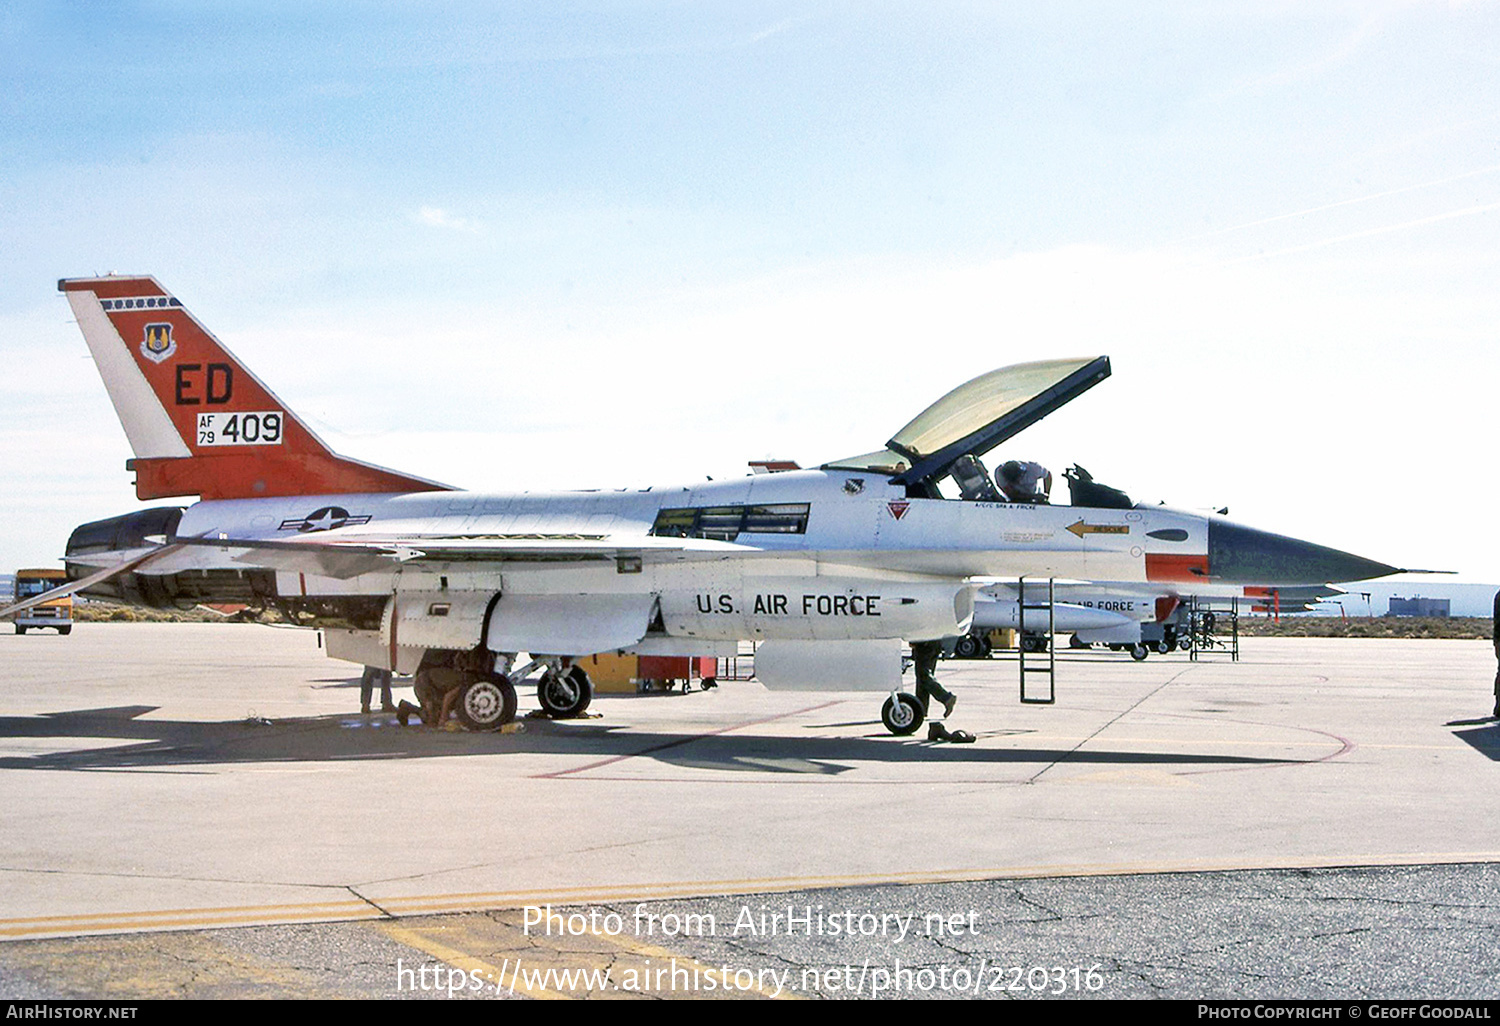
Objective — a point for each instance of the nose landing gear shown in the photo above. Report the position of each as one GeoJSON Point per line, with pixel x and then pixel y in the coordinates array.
{"type": "Point", "coordinates": [902, 714]}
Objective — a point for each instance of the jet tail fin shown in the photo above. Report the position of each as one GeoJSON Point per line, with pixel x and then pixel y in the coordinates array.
{"type": "Point", "coordinates": [199, 422]}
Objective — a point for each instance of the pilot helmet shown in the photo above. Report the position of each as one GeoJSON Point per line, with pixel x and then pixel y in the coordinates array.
{"type": "Point", "coordinates": [1012, 470]}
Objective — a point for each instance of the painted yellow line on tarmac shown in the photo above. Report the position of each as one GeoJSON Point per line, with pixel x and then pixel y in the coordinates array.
{"type": "Point", "coordinates": [725, 888]}
{"type": "Point", "coordinates": [421, 940]}
{"type": "Point", "coordinates": [650, 951]}
{"type": "Point", "coordinates": [478, 901]}
{"type": "Point", "coordinates": [587, 963]}
{"type": "Point", "coordinates": [182, 919]}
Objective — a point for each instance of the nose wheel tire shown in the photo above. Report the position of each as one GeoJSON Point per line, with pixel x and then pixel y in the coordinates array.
{"type": "Point", "coordinates": [488, 703]}
{"type": "Point", "coordinates": [565, 695]}
{"type": "Point", "coordinates": [902, 714]}
{"type": "Point", "coordinates": [1137, 652]}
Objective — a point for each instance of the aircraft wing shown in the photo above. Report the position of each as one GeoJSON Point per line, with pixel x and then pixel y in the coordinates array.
{"type": "Point", "coordinates": [101, 576]}
{"type": "Point", "coordinates": [330, 555]}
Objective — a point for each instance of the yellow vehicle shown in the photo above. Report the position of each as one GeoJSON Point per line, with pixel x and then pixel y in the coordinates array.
{"type": "Point", "coordinates": [57, 614]}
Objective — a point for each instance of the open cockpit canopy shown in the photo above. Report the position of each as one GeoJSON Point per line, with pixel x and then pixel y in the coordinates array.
{"type": "Point", "coordinates": [977, 416]}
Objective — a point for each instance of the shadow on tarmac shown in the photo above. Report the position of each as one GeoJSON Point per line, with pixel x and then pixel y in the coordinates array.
{"type": "Point", "coordinates": [165, 744]}
{"type": "Point", "coordinates": [1485, 740]}
{"type": "Point", "coordinates": [334, 683]}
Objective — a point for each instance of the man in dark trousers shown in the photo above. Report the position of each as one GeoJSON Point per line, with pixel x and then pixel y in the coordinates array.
{"type": "Point", "coordinates": [1495, 630]}
{"type": "Point", "coordinates": [924, 655]}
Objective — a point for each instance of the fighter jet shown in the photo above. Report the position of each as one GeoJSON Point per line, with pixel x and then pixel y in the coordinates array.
{"type": "Point", "coordinates": [1142, 617]}
{"type": "Point", "coordinates": [830, 569]}
{"type": "Point", "coordinates": [1136, 618]}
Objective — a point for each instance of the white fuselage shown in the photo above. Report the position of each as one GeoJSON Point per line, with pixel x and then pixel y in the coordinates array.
{"type": "Point", "coordinates": [862, 561]}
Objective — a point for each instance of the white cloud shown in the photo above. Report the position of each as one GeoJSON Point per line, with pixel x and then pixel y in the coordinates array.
{"type": "Point", "coordinates": [437, 217]}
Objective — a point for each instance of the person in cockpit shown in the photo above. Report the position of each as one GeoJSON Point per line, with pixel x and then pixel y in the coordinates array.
{"type": "Point", "coordinates": [1020, 481]}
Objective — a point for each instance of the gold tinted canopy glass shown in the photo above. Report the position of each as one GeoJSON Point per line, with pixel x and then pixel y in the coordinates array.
{"type": "Point", "coordinates": [980, 414]}
{"type": "Point", "coordinates": [979, 402]}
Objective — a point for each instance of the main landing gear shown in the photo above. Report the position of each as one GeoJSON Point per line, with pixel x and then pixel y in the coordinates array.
{"type": "Point", "coordinates": [487, 703]}
{"type": "Point", "coordinates": [974, 645]}
{"type": "Point", "coordinates": [565, 693]}
{"type": "Point", "coordinates": [487, 700]}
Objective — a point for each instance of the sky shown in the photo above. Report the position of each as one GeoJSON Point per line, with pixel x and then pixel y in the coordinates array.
{"type": "Point", "coordinates": [599, 245]}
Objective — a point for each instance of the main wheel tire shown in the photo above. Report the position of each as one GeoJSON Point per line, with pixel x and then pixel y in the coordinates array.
{"type": "Point", "coordinates": [65, 630]}
{"type": "Point", "coordinates": [1073, 642]}
{"type": "Point", "coordinates": [902, 714]}
{"type": "Point", "coordinates": [488, 703]}
{"type": "Point", "coordinates": [20, 629]}
{"type": "Point", "coordinates": [1137, 652]}
{"type": "Point", "coordinates": [968, 647]}
{"type": "Point", "coordinates": [565, 695]}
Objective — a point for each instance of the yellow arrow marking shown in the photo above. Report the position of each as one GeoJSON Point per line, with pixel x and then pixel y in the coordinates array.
{"type": "Point", "coordinates": [1082, 528]}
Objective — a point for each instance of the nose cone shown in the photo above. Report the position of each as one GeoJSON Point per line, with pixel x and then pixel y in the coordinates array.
{"type": "Point", "coordinates": [1243, 555]}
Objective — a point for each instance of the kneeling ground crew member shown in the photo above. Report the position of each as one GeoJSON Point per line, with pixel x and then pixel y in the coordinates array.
{"type": "Point", "coordinates": [438, 685]}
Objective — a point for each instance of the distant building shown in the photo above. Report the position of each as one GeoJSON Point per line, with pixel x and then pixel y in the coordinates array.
{"type": "Point", "coordinates": [1363, 598]}
{"type": "Point", "coordinates": [1418, 606]}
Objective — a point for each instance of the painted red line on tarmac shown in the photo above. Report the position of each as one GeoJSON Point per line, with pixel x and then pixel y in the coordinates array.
{"type": "Point", "coordinates": [680, 741]}
{"type": "Point", "coordinates": [1346, 746]}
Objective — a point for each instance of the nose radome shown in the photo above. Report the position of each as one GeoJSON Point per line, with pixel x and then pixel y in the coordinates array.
{"type": "Point", "coordinates": [1244, 555]}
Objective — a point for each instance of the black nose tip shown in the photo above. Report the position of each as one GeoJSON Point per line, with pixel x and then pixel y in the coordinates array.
{"type": "Point", "coordinates": [1243, 555]}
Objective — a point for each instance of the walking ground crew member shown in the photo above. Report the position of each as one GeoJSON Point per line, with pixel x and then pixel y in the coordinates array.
{"type": "Point", "coordinates": [924, 656]}
{"type": "Point", "coordinates": [1495, 631]}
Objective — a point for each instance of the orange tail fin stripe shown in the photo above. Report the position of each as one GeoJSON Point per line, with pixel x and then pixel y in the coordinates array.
{"type": "Point", "coordinates": [199, 421]}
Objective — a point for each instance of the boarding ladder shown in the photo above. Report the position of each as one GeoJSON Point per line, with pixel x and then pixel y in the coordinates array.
{"type": "Point", "coordinates": [1042, 664]}
{"type": "Point", "coordinates": [1213, 630]}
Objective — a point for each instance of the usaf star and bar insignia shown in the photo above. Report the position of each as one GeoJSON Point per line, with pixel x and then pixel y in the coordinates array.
{"type": "Point", "coordinates": [325, 519]}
